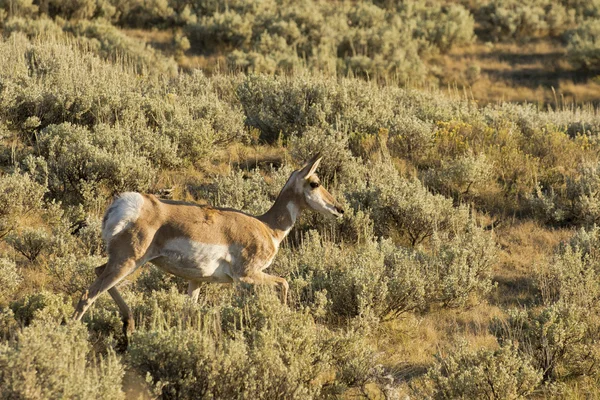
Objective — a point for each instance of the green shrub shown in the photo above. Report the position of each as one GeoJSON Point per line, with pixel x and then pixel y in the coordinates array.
{"type": "Point", "coordinates": [43, 306]}
{"type": "Point", "coordinates": [30, 242]}
{"type": "Point", "coordinates": [511, 19]}
{"type": "Point", "coordinates": [76, 156]}
{"type": "Point", "coordinates": [153, 279]}
{"type": "Point", "coordinates": [583, 45]}
{"type": "Point", "coordinates": [70, 9]}
{"type": "Point", "coordinates": [407, 286]}
{"type": "Point", "coordinates": [10, 279]}
{"type": "Point", "coordinates": [283, 106]}
{"type": "Point", "coordinates": [49, 361]}
{"type": "Point", "coordinates": [383, 280]}
{"type": "Point", "coordinates": [19, 195]}
{"type": "Point", "coordinates": [265, 351]}
{"type": "Point", "coordinates": [240, 190]}
{"type": "Point", "coordinates": [582, 194]}
{"type": "Point", "coordinates": [338, 166]}
{"type": "Point", "coordinates": [460, 177]}
{"type": "Point", "coordinates": [573, 276]}
{"type": "Point", "coordinates": [109, 42]}
{"type": "Point", "coordinates": [490, 374]}
{"type": "Point", "coordinates": [442, 27]}
{"type": "Point", "coordinates": [104, 320]}
{"type": "Point", "coordinates": [90, 235]}
{"type": "Point", "coordinates": [461, 264]}
{"type": "Point", "coordinates": [576, 202]}
{"type": "Point", "coordinates": [403, 207]}
{"type": "Point", "coordinates": [411, 138]}
{"type": "Point", "coordinates": [73, 274]}
{"type": "Point", "coordinates": [8, 324]}
{"type": "Point", "coordinates": [355, 362]}
{"type": "Point", "coordinates": [31, 27]}
{"type": "Point", "coordinates": [226, 29]}
{"type": "Point", "coordinates": [20, 8]}
{"type": "Point", "coordinates": [157, 119]}
{"type": "Point", "coordinates": [560, 339]}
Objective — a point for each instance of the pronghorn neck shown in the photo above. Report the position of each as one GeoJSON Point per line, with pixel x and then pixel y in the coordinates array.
{"type": "Point", "coordinates": [283, 214]}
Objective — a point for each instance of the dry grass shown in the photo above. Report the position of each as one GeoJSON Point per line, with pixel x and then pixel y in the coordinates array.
{"type": "Point", "coordinates": [523, 246]}
{"type": "Point", "coordinates": [517, 72]}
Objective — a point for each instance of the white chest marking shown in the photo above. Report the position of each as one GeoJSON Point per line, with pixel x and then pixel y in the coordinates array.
{"type": "Point", "coordinates": [293, 210]}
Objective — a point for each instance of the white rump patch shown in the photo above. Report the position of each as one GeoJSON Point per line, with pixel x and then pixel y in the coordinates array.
{"type": "Point", "coordinates": [123, 212]}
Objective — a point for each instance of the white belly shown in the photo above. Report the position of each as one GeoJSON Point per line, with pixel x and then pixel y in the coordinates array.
{"type": "Point", "coordinates": [198, 261]}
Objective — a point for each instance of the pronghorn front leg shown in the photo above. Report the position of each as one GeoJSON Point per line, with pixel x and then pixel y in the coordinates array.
{"type": "Point", "coordinates": [262, 278]}
{"type": "Point", "coordinates": [126, 314]}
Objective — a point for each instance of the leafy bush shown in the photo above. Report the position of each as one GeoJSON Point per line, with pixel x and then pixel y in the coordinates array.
{"type": "Point", "coordinates": [442, 27]}
{"type": "Point", "coordinates": [10, 279]}
{"type": "Point", "coordinates": [461, 265]}
{"type": "Point", "coordinates": [460, 177]}
{"type": "Point", "coordinates": [401, 206]}
{"type": "Point", "coordinates": [43, 306]}
{"type": "Point", "coordinates": [72, 273]}
{"type": "Point", "coordinates": [49, 361]}
{"type": "Point", "coordinates": [30, 242]}
{"type": "Point", "coordinates": [572, 276]}
{"type": "Point", "coordinates": [338, 165]}
{"type": "Point", "coordinates": [560, 339]}
{"type": "Point", "coordinates": [109, 42]}
{"type": "Point", "coordinates": [288, 107]}
{"type": "Point", "coordinates": [511, 19]}
{"type": "Point", "coordinates": [384, 280]}
{"type": "Point", "coordinates": [412, 138]}
{"type": "Point", "coordinates": [491, 374]}
{"type": "Point", "coordinates": [90, 234]}
{"type": "Point", "coordinates": [583, 45]}
{"type": "Point", "coordinates": [240, 190]}
{"type": "Point", "coordinates": [19, 195]}
{"type": "Point", "coordinates": [8, 325]}
{"type": "Point", "coordinates": [582, 193]}
{"type": "Point", "coordinates": [263, 351]}
{"type": "Point", "coordinates": [76, 156]}
{"type": "Point", "coordinates": [153, 279]}
{"type": "Point", "coordinates": [141, 116]}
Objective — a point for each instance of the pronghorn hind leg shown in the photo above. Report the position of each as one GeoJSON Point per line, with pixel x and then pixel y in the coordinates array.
{"type": "Point", "coordinates": [126, 314]}
{"type": "Point", "coordinates": [262, 278]}
{"type": "Point", "coordinates": [108, 276]}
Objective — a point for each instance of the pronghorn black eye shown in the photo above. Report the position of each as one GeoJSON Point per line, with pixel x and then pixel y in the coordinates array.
{"type": "Point", "coordinates": [314, 185]}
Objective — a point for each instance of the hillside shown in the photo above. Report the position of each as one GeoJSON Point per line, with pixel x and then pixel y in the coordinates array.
{"type": "Point", "coordinates": [463, 267]}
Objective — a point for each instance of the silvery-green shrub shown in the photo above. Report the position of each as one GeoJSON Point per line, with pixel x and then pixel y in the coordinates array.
{"type": "Point", "coordinates": [30, 242]}
{"type": "Point", "coordinates": [50, 361]}
{"type": "Point", "coordinates": [43, 306]}
{"type": "Point", "coordinates": [491, 374]}
{"type": "Point", "coordinates": [19, 195]}
{"type": "Point", "coordinates": [560, 339]}
{"type": "Point", "coordinates": [10, 279]}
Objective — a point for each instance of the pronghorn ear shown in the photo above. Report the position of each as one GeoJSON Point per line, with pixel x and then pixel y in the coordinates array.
{"type": "Point", "coordinates": [311, 166]}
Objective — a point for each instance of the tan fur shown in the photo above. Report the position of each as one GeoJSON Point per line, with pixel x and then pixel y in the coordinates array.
{"type": "Point", "coordinates": [250, 242]}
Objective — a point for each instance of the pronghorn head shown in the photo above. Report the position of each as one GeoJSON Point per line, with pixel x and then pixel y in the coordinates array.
{"type": "Point", "coordinates": [311, 193]}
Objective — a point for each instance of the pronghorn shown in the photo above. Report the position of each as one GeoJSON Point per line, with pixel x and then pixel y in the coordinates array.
{"type": "Point", "coordinates": [201, 243]}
